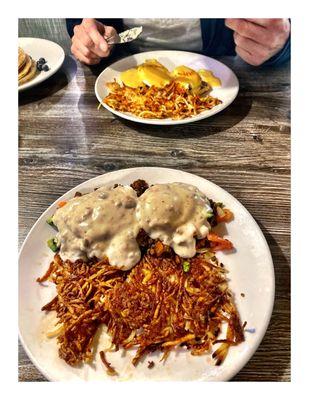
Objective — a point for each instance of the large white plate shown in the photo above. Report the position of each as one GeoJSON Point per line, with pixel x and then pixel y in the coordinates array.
{"type": "Point", "coordinates": [250, 272]}
{"type": "Point", "coordinates": [37, 48]}
{"type": "Point", "coordinates": [171, 59]}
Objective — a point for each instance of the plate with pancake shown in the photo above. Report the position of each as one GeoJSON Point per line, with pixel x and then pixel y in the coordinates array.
{"type": "Point", "coordinates": [250, 275]}
{"type": "Point", "coordinates": [30, 51]}
{"type": "Point", "coordinates": [166, 87]}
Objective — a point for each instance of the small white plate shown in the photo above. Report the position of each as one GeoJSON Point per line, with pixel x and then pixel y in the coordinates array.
{"type": "Point", "coordinates": [171, 59]}
{"type": "Point", "coordinates": [250, 271]}
{"type": "Point", "coordinates": [38, 48]}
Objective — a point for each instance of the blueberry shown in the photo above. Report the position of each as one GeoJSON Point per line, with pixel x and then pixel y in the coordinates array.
{"type": "Point", "coordinates": [39, 66]}
{"type": "Point", "coordinates": [45, 68]}
{"type": "Point", "coordinates": [42, 60]}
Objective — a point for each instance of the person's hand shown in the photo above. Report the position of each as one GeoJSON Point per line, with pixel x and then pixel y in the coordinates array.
{"type": "Point", "coordinates": [88, 43]}
{"type": "Point", "coordinates": [258, 39]}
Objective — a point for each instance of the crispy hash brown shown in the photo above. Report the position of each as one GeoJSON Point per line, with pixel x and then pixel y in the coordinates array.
{"type": "Point", "coordinates": [155, 306]}
{"type": "Point", "coordinates": [172, 101]}
{"type": "Point", "coordinates": [160, 306]}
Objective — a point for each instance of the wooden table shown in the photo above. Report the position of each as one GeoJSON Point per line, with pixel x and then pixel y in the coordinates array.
{"type": "Point", "coordinates": [64, 140]}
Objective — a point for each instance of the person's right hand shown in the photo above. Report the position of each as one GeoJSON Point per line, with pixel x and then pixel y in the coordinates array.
{"type": "Point", "coordinates": [88, 43]}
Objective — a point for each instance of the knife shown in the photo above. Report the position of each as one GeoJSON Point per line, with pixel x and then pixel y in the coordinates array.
{"type": "Point", "coordinates": [125, 36]}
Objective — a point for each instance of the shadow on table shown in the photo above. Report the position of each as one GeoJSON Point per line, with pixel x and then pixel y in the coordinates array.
{"type": "Point", "coordinates": [220, 122]}
{"type": "Point", "coordinates": [275, 369]}
{"type": "Point", "coordinates": [52, 85]}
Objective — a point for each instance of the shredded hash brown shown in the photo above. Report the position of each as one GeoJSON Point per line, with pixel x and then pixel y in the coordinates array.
{"type": "Point", "coordinates": [172, 101]}
{"type": "Point", "coordinates": [155, 306]}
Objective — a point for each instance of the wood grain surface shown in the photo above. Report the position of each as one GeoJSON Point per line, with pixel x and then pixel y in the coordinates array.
{"type": "Point", "coordinates": [64, 140]}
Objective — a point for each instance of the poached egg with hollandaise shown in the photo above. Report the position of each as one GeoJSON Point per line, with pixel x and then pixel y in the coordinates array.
{"type": "Point", "coordinates": [153, 73]}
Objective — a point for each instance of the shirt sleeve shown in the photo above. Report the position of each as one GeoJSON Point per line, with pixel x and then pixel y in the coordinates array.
{"type": "Point", "coordinates": [70, 23]}
{"type": "Point", "coordinates": [217, 38]}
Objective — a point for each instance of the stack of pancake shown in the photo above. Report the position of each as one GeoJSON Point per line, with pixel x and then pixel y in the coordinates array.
{"type": "Point", "coordinates": [26, 67]}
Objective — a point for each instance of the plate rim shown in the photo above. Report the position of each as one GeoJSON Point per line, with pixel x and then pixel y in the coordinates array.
{"type": "Point", "coordinates": [165, 121]}
{"type": "Point", "coordinates": [230, 373]}
{"type": "Point", "coordinates": [31, 84]}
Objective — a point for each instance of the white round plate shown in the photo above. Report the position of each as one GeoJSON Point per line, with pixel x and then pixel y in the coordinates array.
{"type": "Point", "coordinates": [171, 59]}
{"type": "Point", "coordinates": [250, 271]}
{"type": "Point", "coordinates": [37, 48]}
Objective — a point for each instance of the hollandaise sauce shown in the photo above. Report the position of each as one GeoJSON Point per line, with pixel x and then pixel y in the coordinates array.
{"type": "Point", "coordinates": [153, 73]}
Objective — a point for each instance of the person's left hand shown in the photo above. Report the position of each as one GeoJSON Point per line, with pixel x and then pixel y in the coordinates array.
{"type": "Point", "coordinates": [258, 39]}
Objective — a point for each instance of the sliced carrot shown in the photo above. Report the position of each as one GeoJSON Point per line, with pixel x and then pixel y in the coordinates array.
{"type": "Point", "coordinates": [159, 248]}
{"type": "Point", "coordinates": [226, 216]}
{"type": "Point", "coordinates": [62, 203]}
{"type": "Point", "coordinates": [218, 243]}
